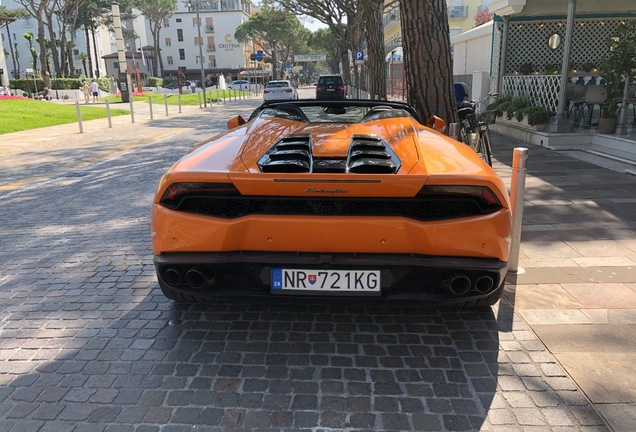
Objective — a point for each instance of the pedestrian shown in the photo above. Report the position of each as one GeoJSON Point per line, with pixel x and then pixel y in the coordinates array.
{"type": "Point", "coordinates": [193, 86]}
{"type": "Point", "coordinates": [95, 88]}
{"type": "Point", "coordinates": [86, 90]}
{"type": "Point", "coordinates": [4, 91]}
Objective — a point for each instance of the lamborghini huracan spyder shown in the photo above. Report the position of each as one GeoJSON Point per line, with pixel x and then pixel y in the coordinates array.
{"type": "Point", "coordinates": [332, 198]}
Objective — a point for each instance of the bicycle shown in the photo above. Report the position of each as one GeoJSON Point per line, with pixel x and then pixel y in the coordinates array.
{"type": "Point", "coordinates": [474, 131]}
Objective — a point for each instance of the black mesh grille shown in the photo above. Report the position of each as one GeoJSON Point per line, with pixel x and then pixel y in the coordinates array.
{"type": "Point", "coordinates": [420, 208]}
{"type": "Point", "coordinates": [367, 155]}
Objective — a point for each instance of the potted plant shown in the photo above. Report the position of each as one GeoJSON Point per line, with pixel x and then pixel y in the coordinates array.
{"type": "Point", "coordinates": [615, 68]}
{"type": "Point", "coordinates": [538, 116]}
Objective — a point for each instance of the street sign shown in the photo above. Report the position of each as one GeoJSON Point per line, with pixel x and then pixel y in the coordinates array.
{"type": "Point", "coordinates": [259, 56]}
{"type": "Point", "coordinates": [359, 57]}
{"type": "Point", "coordinates": [309, 57]}
{"type": "Point", "coordinates": [252, 57]}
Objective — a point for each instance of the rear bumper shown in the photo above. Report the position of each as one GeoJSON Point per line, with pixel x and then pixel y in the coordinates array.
{"type": "Point", "coordinates": [403, 276]}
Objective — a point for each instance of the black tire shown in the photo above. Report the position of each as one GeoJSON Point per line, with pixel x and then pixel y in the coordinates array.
{"type": "Point", "coordinates": [484, 149]}
{"type": "Point", "coordinates": [464, 129]}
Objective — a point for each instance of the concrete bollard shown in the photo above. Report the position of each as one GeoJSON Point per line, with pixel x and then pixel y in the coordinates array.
{"type": "Point", "coordinates": [179, 103]}
{"type": "Point", "coordinates": [150, 106]}
{"type": "Point", "coordinates": [110, 121]}
{"type": "Point", "coordinates": [132, 110]}
{"type": "Point", "coordinates": [79, 116]}
{"type": "Point", "coordinates": [517, 194]}
{"type": "Point", "coordinates": [165, 102]}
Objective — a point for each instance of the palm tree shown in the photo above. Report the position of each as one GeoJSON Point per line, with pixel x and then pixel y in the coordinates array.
{"type": "Point", "coordinates": [84, 57]}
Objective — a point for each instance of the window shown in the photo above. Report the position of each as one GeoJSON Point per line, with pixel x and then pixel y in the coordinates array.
{"type": "Point", "coordinates": [198, 40]}
{"type": "Point", "coordinates": [116, 65]}
{"type": "Point", "coordinates": [28, 22]}
{"type": "Point", "coordinates": [166, 22]}
{"type": "Point", "coordinates": [181, 54]}
{"type": "Point", "coordinates": [211, 44]}
{"type": "Point", "coordinates": [168, 42]}
{"type": "Point", "coordinates": [195, 22]}
{"type": "Point", "coordinates": [170, 60]}
{"type": "Point", "coordinates": [178, 19]}
{"type": "Point", "coordinates": [180, 35]}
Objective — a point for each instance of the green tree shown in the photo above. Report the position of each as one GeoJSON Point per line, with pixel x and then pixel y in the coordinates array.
{"type": "Point", "coordinates": [155, 11]}
{"type": "Point", "coordinates": [277, 31]}
{"type": "Point", "coordinates": [324, 41]}
{"type": "Point", "coordinates": [10, 15]}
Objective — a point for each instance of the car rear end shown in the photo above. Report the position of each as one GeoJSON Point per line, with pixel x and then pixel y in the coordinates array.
{"type": "Point", "coordinates": [330, 87]}
{"type": "Point", "coordinates": [279, 90]}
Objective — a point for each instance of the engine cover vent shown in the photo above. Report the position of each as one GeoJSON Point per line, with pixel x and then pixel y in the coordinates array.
{"type": "Point", "coordinates": [369, 154]}
{"type": "Point", "coordinates": [291, 154]}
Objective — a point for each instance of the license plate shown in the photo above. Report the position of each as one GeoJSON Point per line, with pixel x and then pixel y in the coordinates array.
{"type": "Point", "coordinates": [331, 89]}
{"type": "Point", "coordinates": [326, 281]}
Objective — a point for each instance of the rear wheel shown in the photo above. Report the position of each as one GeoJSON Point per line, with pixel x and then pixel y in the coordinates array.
{"type": "Point", "coordinates": [483, 147]}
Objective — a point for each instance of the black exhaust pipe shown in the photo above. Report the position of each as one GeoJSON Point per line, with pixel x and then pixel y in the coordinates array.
{"type": "Point", "coordinates": [172, 277]}
{"type": "Point", "coordinates": [195, 279]}
{"type": "Point", "coordinates": [458, 284]}
{"type": "Point", "coordinates": [483, 284]}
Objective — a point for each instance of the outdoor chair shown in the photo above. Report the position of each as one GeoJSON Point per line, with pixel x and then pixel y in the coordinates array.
{"type": "Point", "coordinates": [574, 94]}
{"type": "Point", "coordinates": [594, 95]}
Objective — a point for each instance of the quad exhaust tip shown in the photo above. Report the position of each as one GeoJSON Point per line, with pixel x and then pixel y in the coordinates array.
{"type": "Point", "coordinates": [460, 284]}
{"type": "Point", "coordinates": [194, 278]}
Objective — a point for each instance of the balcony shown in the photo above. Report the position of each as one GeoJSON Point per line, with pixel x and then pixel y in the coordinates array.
{"type": "Point", "coordinates": [458, 12]}
{"type": "Point", "coordinates": [391, 17]}
{"type": "Point", "coordinates": [209, 29]}
{"type": "Point", "coordinates": [210, 48]}
{"type": "Point", "coordinates": [212, 64]}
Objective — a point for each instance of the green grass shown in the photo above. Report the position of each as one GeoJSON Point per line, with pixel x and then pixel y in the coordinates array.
{"type": "Point", "coordinates": [24, 114]}
{"type": "Point", "coordinates": [187, 98]}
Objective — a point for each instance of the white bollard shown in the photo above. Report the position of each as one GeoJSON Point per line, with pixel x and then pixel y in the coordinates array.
{"type": "Point", "coordinates": [110, 120]}
{"type": "Point", "coordinates": [517, 194]}
{"type": "Point", "coordinates": [165, 102]}
{"type": "Point", "coordinates": [79, 116]}
{"type": "Point", "coordinates": [150, 105]}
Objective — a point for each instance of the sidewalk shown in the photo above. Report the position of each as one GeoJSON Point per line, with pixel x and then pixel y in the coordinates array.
{"type": "Point", "coordinates": [578, 289]}
{"type": "Point", "coordinates": [32, 156]}
{"type": "Point", "coordinates": [577, 293]}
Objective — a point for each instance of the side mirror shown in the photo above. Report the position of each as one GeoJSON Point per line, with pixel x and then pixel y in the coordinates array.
{"type": "Point", "coordinates": [436, 123]}
{"type": "Point", "coordinates": [235, 122]}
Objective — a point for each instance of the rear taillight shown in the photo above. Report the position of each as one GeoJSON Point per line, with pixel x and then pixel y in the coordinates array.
{"type": "Point", "coordinates": [265, 91]}
{"type": "Point", "coordinates": [176, 192]}
{"type": "Point", "coordinates": [341, 89]}
{"type": "Point", "coordinates": [482, 194]}
{"type": "Point", "coordinates": [289, 90]}
{"type": "Point", "coordinates": [317, 89]}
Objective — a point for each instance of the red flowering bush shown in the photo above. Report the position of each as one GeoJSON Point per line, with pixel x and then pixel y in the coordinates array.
{"type": "Point", "coordinates": [11, 97]}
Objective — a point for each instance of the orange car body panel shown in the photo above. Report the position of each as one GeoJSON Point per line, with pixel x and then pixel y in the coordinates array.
{"type": "Point", "coordinates": [428, 158]}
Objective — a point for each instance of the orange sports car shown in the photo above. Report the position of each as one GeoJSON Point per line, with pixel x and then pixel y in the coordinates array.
{"type": "Point", "coordinates": [332, 198]}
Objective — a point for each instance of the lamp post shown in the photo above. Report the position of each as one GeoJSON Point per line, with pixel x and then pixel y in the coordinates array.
{"type": "Point", "coordinates": [196, 2]}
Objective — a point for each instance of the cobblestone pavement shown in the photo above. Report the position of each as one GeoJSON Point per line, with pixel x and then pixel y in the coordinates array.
{"type": "Point", "coordinates": [88, 343]}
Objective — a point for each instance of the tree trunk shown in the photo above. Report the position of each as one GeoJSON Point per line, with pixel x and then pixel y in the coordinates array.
{"type": "Point", "coordinates": [427, 59]}
{"type": "Point", "coordinates": [46, 78]}
{"type": "Point", "coordinates": [16, 67]}
{"type": "Point", "coordinates": [53, 45]}
{"type": "Point", "coordinates": [88, 53]}
{"type": "Point", "coordinates": [97, 63]}
{"type": "Point", "coordinates": [375, 47]}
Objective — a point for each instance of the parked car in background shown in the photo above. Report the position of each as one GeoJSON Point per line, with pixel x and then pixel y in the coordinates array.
{"type": "Point", "coordinates": [279, 90]}
{"type": "Point", "coordinates": [330, 87]}
{"type": "Point", "coordinates": [242, 85]}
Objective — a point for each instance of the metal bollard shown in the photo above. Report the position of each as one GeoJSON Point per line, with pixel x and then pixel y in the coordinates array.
{"type": "Point", "coordinates": [79, 116]}
{"type": "Point", "coordinates": [110, 121]}
{"type": "Point", "coordinates": [150, 105]}
{"type": "Point", "coordinates": [179, 103]}
{"type": "Point", "coordinates": [453, 131]}
{"type": "Point", "coordinates": [517, 194]}
{"type": "Point", "coordinates": [199, 94]}
{"type": "Point", "coordinates": [165, 102]}
{"type": "Point", "coordinates": [132, 111]}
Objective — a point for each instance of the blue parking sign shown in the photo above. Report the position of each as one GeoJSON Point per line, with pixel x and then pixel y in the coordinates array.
{"type": "Point", "coordinates": [359, 56]}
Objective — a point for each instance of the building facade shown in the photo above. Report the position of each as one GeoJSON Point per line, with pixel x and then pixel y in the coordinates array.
{"type": "Point", "coordinates": [179, 43]}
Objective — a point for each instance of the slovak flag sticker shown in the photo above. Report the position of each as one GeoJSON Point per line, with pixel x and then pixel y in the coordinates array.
{"type": "Point", "coordinates": [312, 279]}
